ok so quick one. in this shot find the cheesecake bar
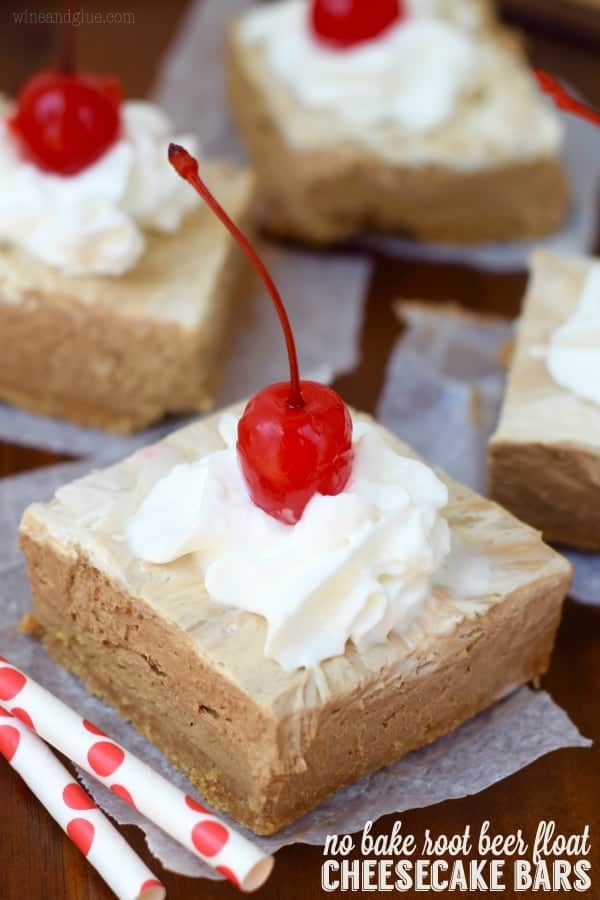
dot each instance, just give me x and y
(121, 352)
(259, 742)
(489, 171)
(544, 458)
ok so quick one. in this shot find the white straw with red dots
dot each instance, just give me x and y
(74, 810)
(181, 817)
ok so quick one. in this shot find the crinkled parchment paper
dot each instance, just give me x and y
(497, 743)
(443, 394)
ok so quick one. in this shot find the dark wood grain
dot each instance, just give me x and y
(577, 19)
(36, 861)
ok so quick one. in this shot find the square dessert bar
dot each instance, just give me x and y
(321, 182)
(263, 744)
(120, 353)
(544, 458)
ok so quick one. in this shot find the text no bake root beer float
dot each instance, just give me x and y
(413, 116)
(284, 598)
(116, 285)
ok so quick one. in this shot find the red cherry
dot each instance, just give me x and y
(288, 454)
(563, 100)
(345, 23)
(66, 121)
(294, 439)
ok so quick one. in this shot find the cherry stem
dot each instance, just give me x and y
(563, 100)
(186, 166)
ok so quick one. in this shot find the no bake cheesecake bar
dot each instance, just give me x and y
(120, 353)
(486, 169)
(265, 744)
(544, 458)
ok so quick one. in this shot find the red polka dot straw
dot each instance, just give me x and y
(123, 793)
(105, 758)
(209, 837)
(82, 833)
(24, 717)
(75, 812)
(193, 804)
(181, 817)
(228, 874)
(151, 885)
(12, 683)
(9, 741)
(93, 729)
(74, 797)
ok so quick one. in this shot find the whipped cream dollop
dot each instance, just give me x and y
(573, 355)
(357, 566)
(434, 87)
(92, 223)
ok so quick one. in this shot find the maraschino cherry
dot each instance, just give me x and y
(65, 119)
(563, 100)
(294, 438)
(346, 23)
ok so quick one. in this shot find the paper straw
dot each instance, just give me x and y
(181, 817)
(76, 813)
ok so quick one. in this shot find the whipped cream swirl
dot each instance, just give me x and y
(573, 355)
(92, 223)
(357, 566)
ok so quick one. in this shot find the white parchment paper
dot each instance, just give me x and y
(198, 48)
(324, 295)
(443, 393)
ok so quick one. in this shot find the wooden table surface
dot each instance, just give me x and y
(36, 861)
